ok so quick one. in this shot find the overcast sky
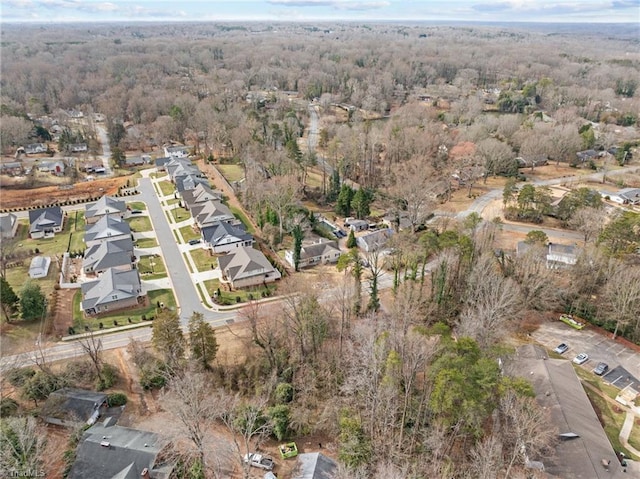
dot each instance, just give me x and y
(320, 10)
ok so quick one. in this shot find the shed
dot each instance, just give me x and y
(39, 267)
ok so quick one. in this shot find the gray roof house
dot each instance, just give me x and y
(39, 267)
(583, 444)
(113, 290)
(105, 206)
(200, 194)
(561, 255)
(107, 451)
(189, 182)
(161, 163)
(45, 222)
(69, 406)
(246, 267)
(177, 151)
(107, 228)
(210, 212)
(107, 254)
(223, 237)
(321, 252)
(174, 163)
(626, 196)
(8, 225)
(315, 465)
(374, 240)
(35, 148)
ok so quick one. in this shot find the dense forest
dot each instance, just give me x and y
(408, 385)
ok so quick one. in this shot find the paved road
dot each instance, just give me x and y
(106, 149)
(314, 136)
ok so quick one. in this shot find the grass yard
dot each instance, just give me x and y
(588, 377)
(146, 243)
(188, 233)
(137, 205)
(241, 216)
(231, 172)
(77, 231)
(231, 297)
(172, 201)
(139, 224)
(180, 214)
(152, 267)
(203, 259)
(121, 317)
(166, 187)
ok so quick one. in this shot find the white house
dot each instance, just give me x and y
(322, 252)
(8, 225)
(39, 267)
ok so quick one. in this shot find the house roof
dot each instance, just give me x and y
(630, 194)
(559, 391)
(217, 232)
(115, 452)
(7, 222)
(45, 218)
(106, 227)
(244, 262)
(104, 206)
(108, 254)
(563, 249)
(70, 404)
(189, 182)
(112, 286)
(211, 211)
(315, 465)
(161, 162)
(39, 266)
(318, 249)
(375, 239)
(201, 193)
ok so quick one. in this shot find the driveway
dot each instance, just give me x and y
(598, 347)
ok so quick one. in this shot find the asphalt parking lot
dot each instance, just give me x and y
(598, 347)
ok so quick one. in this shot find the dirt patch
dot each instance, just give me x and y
(63, 311)
(16, 198)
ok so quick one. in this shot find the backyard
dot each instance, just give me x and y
(231, 172)
(239, 296)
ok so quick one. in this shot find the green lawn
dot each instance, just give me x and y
(172, 201)
(149, 271)
(137, 205)
(245, 295)
(122, 318)
(146, 242)
(231, 172)
(241, 216)
(77, 226)
(139, 224)
(180, 214)
(588, 377)
(186, 260)
(203, 259)
(188, 233)
(166, 187)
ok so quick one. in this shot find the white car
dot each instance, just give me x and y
(259, 461)
(581, 358)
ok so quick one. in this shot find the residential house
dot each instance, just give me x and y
(189, 182)
(107, 228)
(134, 161)
(246, 267)
(56, 167)
(76, 114)
(179, 168)
(11, 168)
(224, 237)
(107, 451)
(375, 240)
(211, 212)
(561, 255)
(70, 407)
(532, 161)
(322, 252)
(161, 163)
(105, 206)
(113, 290)
(583, 445)
(77, 148)
(39, 267)
(315, 465)
(8, 225)
(45, 222)
(626, 196)
(176, 151)
(586, 155)
(35, 148)
(90, 166)
(200, 194)
(117, 254)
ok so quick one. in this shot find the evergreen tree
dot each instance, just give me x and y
(202, 338)
(168, 338)
(343, 203)
(298, 235)
(32, 302)
(334, 186)
(351, 240)
(8, 298)
(361, 202)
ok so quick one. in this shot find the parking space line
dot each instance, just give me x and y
(616, 380)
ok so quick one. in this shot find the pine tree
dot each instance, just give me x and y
(202, 338)
(168, 338)
(298, 235)
(8, 298)
(33, 303)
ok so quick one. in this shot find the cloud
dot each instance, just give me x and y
(554, 7)
(335, 4)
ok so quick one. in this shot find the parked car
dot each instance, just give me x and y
(136, 212)
(601, 369)
(259, 461)
(581, 358)
(561, 348)
(194, 241)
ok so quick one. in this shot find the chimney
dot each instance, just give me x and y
(145, 474)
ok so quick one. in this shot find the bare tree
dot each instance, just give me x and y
(589, 221)
(622, 297)
(22, 448)
(92, 347)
